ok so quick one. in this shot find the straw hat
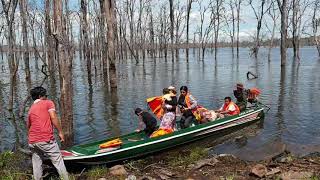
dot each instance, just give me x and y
(240, 85)
(171, 88)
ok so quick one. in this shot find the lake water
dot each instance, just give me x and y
(292, 94)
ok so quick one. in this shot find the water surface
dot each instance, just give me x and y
(292, 94)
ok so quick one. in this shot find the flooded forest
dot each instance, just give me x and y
(101, 59)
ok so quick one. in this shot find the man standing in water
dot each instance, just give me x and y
(41, 119)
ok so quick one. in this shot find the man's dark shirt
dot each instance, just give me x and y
(241, 95)
(148, 120)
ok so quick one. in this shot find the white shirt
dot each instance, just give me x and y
(230, 108)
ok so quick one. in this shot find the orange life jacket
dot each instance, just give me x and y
(253, 93)
(155, 104)
(235, 112)
(194, 111)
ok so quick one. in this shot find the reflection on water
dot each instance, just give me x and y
(100, 112)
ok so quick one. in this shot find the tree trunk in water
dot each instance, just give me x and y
(238, 25)
(49, 39)
(271, 40)
(315, 26)
(23, 11)
(284, 25)
(65, 69)
(86, 50)
(217, 28)
(295, 36)
(9, 10)
(172, 28)
(188, 18)
(103, 39)
(110, 18)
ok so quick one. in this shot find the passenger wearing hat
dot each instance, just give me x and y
(172, 90)
(241, 95)
(147, 119)
(168, 120)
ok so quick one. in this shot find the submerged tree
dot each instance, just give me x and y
(85, 47)
(9, 9)
(63, 50)
(274, 16)
(189, 5)
(284, 26)
(110, 19)
(298, 10)
(23, 12)
(259, 13)
(315, 25)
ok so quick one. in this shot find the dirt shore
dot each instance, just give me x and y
(195, 163)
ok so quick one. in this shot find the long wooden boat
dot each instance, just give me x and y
(136, 144)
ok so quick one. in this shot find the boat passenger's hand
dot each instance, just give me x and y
(138, 130)
(61, 136)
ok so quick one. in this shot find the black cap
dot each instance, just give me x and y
(137, 111)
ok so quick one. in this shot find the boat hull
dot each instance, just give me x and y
(180, 137)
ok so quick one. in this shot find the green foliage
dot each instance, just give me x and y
(315, 178)
(186, 159)
(230, 177)
(97, 172)
(10, 164)
(5, 158)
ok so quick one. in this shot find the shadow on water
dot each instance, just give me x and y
(90, 114)
(111, 115)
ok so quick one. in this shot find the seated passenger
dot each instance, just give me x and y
(169, 108)
(253, 94)
(188, 106)
(207, 115)
(149, 121)
(241, 95)
(229, 108)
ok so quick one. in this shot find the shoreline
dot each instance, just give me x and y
(196, 160)
(194, 163)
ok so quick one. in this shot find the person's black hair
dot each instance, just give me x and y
(185, 88)
(229, 98)
(137, 111)
(165, 91)
(38, 92)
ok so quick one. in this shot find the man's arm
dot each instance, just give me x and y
(193, 102)
(55, 121)
(140, 125)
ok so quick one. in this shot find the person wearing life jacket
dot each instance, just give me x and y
(168, 119)
(169, 110)
(241, 95)
(253, 94)
(188, 106)
(229, 108)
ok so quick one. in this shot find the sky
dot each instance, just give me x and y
(247, 25)
(248, 21)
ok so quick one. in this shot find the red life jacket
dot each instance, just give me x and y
(155, 104)
(235, 112)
